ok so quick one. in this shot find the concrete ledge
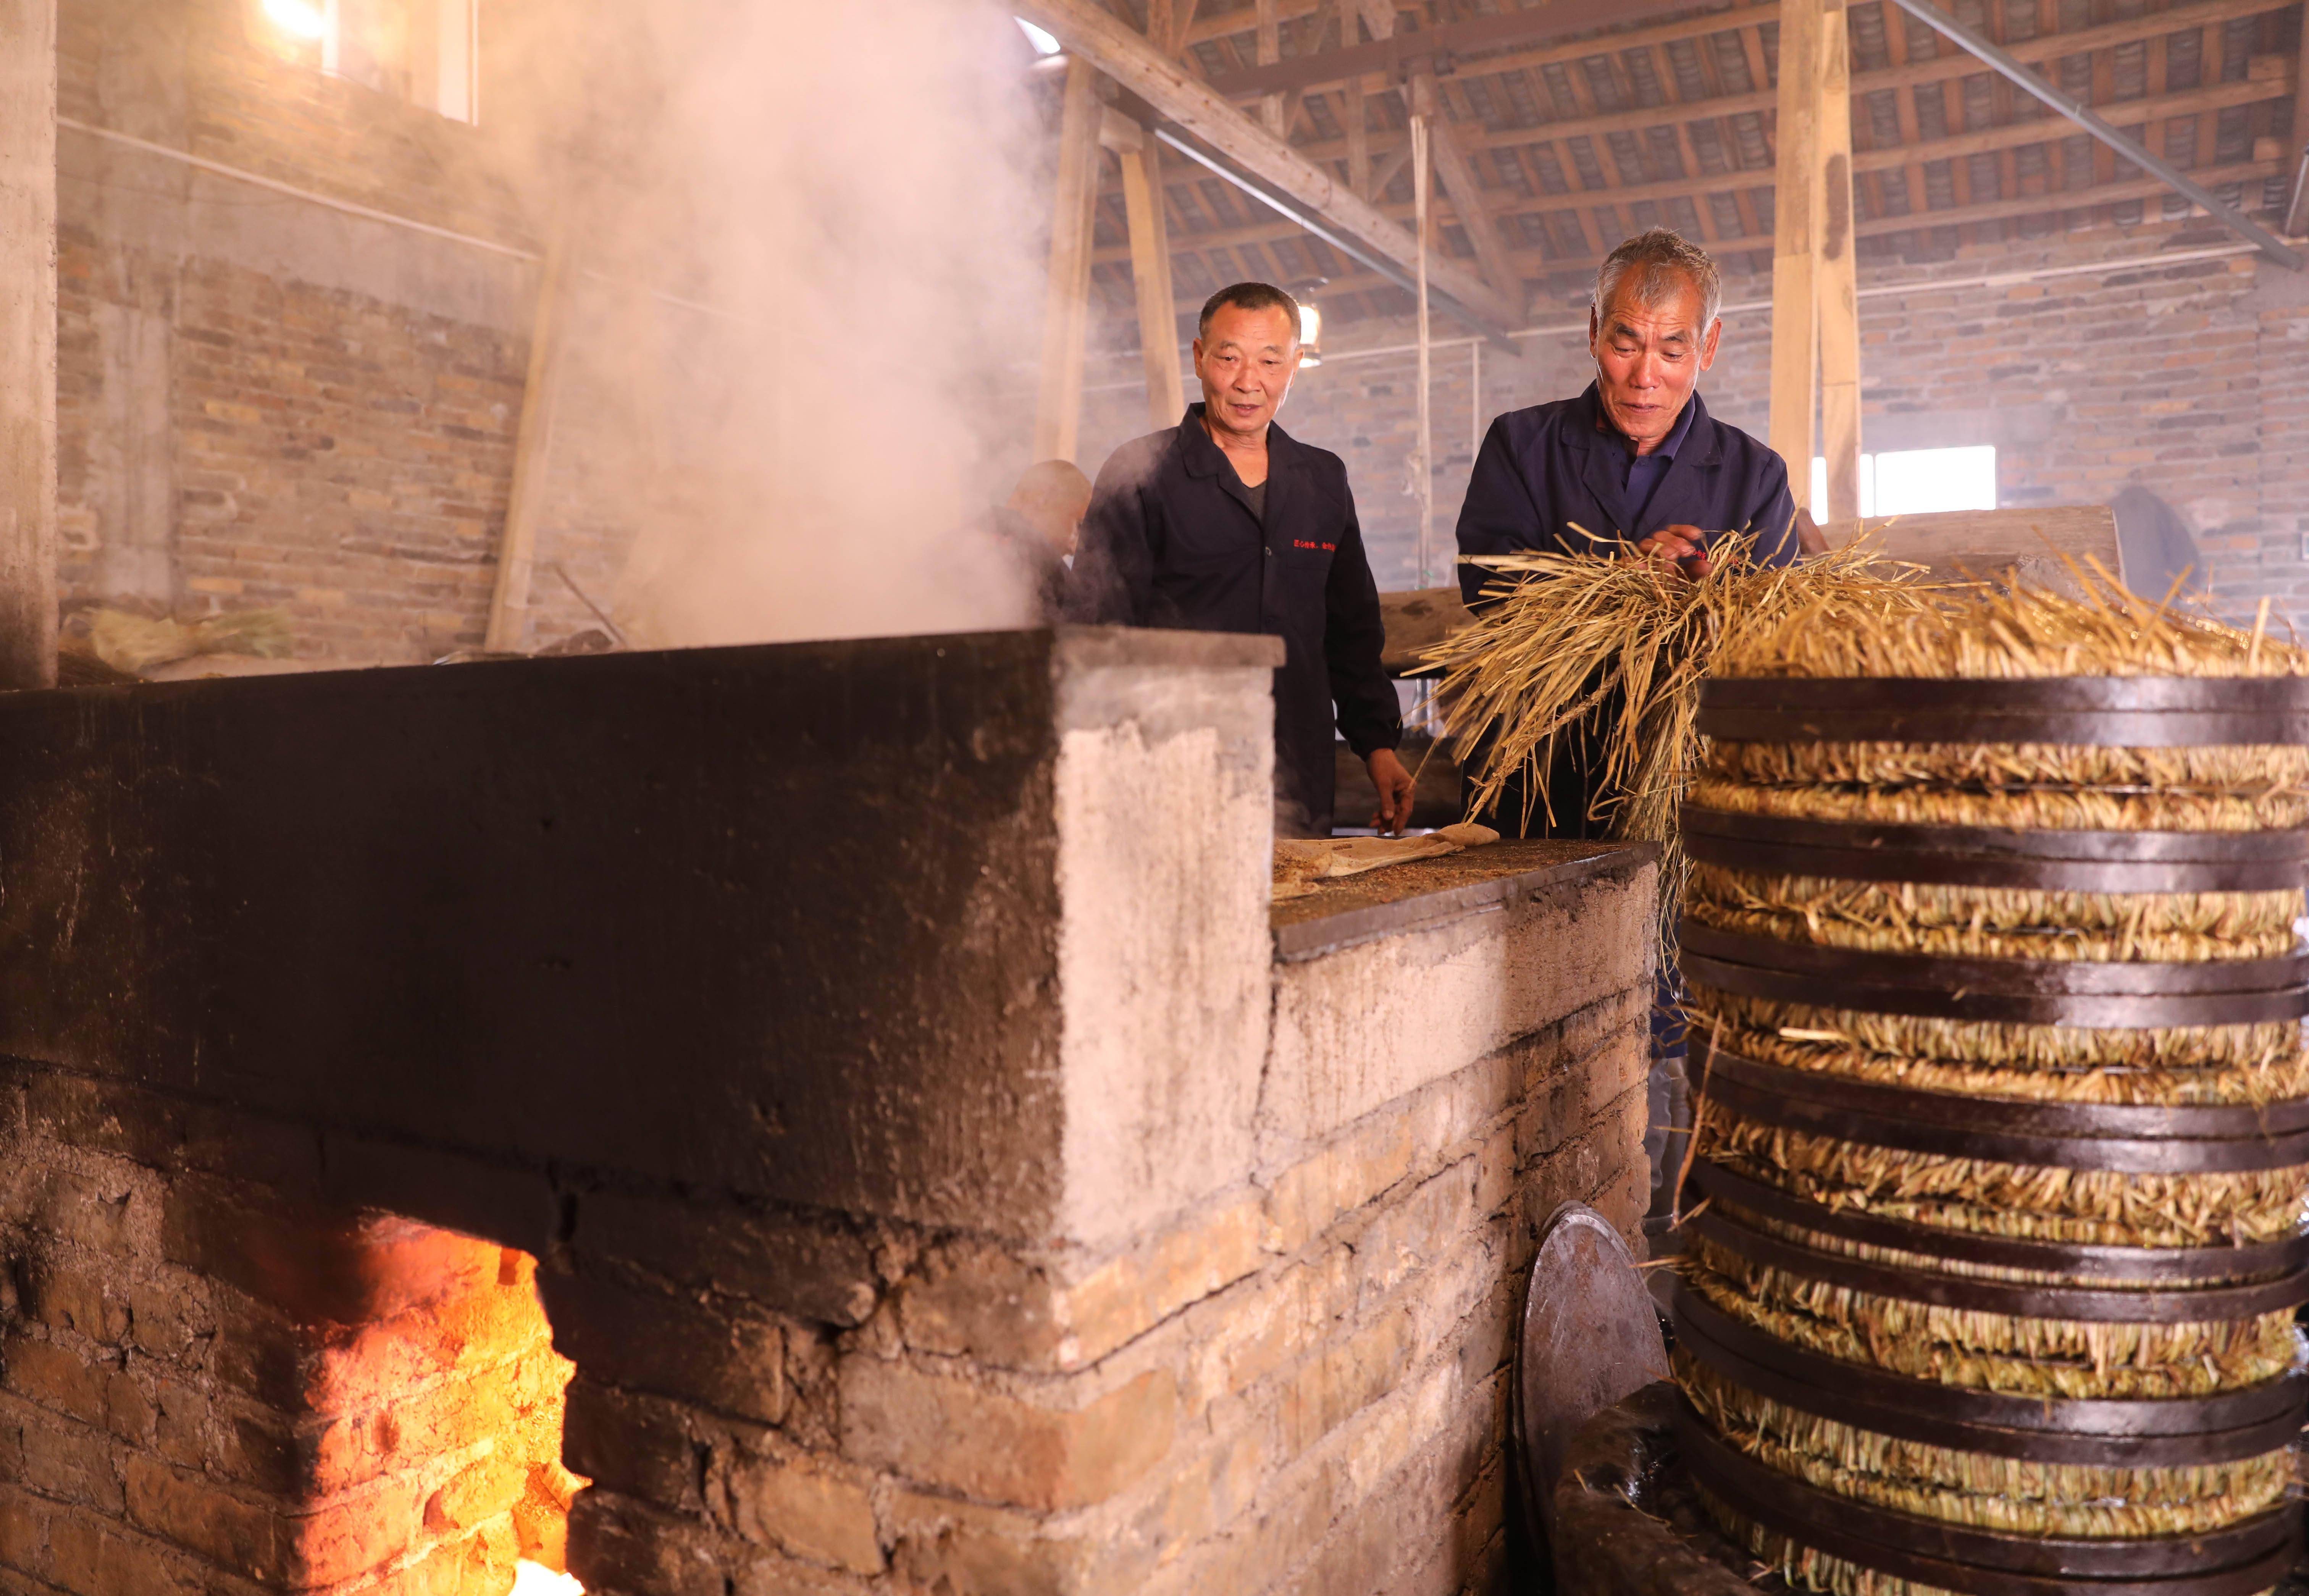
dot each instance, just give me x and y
(1455, 959)
(1413, 896)
(1092, 647)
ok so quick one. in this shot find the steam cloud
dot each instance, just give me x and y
(856, 188)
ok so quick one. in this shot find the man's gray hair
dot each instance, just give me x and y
(1655, 266)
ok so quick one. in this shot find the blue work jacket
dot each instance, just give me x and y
(1170, 540)
(1543, 469)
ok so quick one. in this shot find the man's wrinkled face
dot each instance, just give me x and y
(1647, 357)
(1245, 361)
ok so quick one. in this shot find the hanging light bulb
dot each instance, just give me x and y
(299, 17)
(1311, 334)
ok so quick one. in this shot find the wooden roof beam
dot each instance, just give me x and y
(2013, 136)
(1432, 49)
(2048, 46)
(1101, 38)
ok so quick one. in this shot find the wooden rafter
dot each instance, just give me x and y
(1714, 115)
(2040, 131)
(1096, 36)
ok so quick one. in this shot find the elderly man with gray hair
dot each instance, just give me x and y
(1634, 464)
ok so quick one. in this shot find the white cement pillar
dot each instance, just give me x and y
(28, 343)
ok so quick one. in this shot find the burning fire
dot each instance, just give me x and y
(535, 1579)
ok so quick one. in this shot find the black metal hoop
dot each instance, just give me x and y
(2126, 1138)
(2188, 1305)
(1988, 856)
(2099, 1432)
(2027, 991)
(2243, 1558)
(2091, 1261)
(2091, 711)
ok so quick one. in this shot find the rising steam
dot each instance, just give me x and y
(850, 193)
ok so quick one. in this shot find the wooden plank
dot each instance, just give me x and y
(1096, 34)
(533, 450)
(2037, 545)
(1066, 298)
(1837, 283)
(1459, 182)
(1150, 276)
(1795, 240)
(28, 344)
(1357, 117)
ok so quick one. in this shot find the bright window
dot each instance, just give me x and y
(423, 51)
(1918, 481)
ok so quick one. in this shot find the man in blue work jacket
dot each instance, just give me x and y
(1633, 467)
(1227, 524)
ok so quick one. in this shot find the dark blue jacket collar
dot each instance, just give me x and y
(1590, 428)
(1203, 458)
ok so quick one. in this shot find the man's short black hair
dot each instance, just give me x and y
(1248, 296)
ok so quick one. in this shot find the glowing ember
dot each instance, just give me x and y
(535, 1579)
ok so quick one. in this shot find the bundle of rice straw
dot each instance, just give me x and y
(1616, 649)
(1820, 1289)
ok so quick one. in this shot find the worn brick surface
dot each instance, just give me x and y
(218, 1388)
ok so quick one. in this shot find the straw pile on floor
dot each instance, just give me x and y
(1948, 633)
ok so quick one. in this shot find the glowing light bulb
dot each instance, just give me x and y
(1310, 335)
(1044, 42)
(305, 20)
(535, 1579)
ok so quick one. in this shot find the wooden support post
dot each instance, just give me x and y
(1270, 51)
(1150, 267)
(1795, 243)
(531, 450)
(1065, 304)
(1422, 181)
(2296, 210)
(1834, 278)
(28, 344)
(1458, 175)
(1358, 131)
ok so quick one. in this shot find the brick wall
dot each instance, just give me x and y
(264, 405)
(1300, 1388)
(216, 1379)
(212, 1385)
(2187, 377)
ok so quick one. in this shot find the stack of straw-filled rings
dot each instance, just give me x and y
(1997, 1209)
